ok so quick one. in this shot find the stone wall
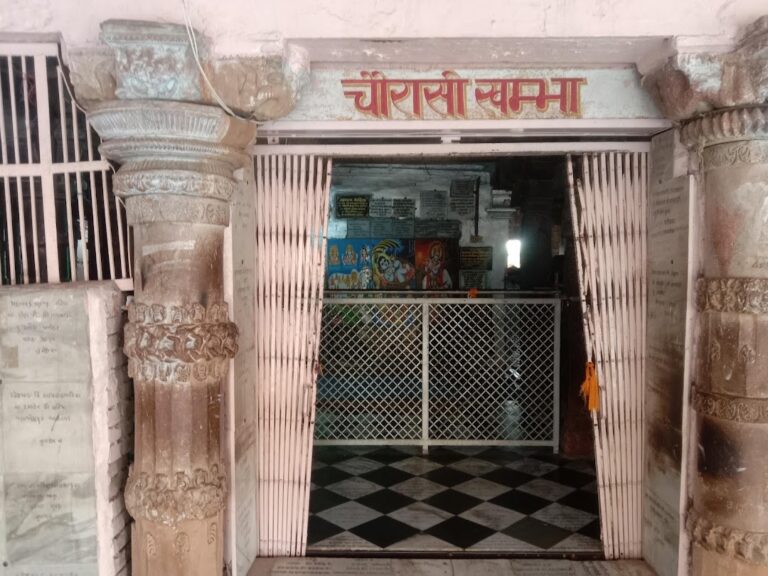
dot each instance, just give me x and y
(66, 431)
(666, 337)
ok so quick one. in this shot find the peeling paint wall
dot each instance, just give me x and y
(239, 26)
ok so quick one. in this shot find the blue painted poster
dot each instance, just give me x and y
(393, 264)
(349, 265)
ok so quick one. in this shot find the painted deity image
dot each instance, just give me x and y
(436, 264)
(353, 270)
(393, 267)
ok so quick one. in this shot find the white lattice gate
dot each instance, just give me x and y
(291, 226)
(608, 204)
(439, 371)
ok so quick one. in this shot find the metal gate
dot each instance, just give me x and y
(59, 218)
(437, 371)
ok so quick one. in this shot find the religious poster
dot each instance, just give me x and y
(476, 258)
(352, 205)
(393, 264)
(349, 264)
(437, 264)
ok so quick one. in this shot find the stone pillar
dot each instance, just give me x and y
(176, 176)
(727, 518)
(178, 154)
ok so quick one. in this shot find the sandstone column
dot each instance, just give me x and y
(178, 152)
(177, 161)
(727, 516)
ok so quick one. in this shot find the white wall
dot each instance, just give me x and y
(242, 26)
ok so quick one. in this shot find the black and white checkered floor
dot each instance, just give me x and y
(457, 500)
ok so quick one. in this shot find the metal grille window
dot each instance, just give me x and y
(59, 221)
(439, 371)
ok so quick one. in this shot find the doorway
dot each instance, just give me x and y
(443, 402)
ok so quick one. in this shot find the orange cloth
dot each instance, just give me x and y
(590, 390)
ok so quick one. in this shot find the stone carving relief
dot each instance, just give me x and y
(176, 182)
(178, 209)
(151, 60)
(181, 545)
(726, 126)
(262, 88)
(172, 499)
(742, 544)
(695, 83)
(150, 546)
(732, 408)
(744, 295)
(154, 61)
(750, 152)
(178, 342)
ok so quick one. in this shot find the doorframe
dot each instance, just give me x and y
(640, 132)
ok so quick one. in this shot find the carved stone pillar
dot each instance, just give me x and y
(176, 176)
(727, 517)
(178, 155)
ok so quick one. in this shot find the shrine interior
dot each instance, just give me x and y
(452, 297)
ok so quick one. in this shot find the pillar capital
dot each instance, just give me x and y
(693, 83)
(142, 60)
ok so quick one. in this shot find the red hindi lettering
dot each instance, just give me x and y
(374, 87)
(496, 94)
(453, 90)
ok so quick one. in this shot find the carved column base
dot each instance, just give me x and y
(191, 547)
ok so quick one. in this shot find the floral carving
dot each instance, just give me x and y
(172, 499)
(173, 182)
(744, 295)
(751, 152)
(140, 313)
(741, 544)
(189, 333)
(181, 342)
(732, 408)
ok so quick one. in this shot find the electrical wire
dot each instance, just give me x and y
(196, 55)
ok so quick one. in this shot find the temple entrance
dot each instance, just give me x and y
(451, 350)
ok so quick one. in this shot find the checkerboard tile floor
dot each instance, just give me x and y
(484, 500)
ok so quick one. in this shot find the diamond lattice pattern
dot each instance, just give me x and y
(491, 371)
(371, 380)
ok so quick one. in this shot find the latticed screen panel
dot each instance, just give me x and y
(492, 371)
(370, 387)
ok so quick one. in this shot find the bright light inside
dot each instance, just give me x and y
(513, 253)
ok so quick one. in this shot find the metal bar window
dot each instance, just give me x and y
(59, 220)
